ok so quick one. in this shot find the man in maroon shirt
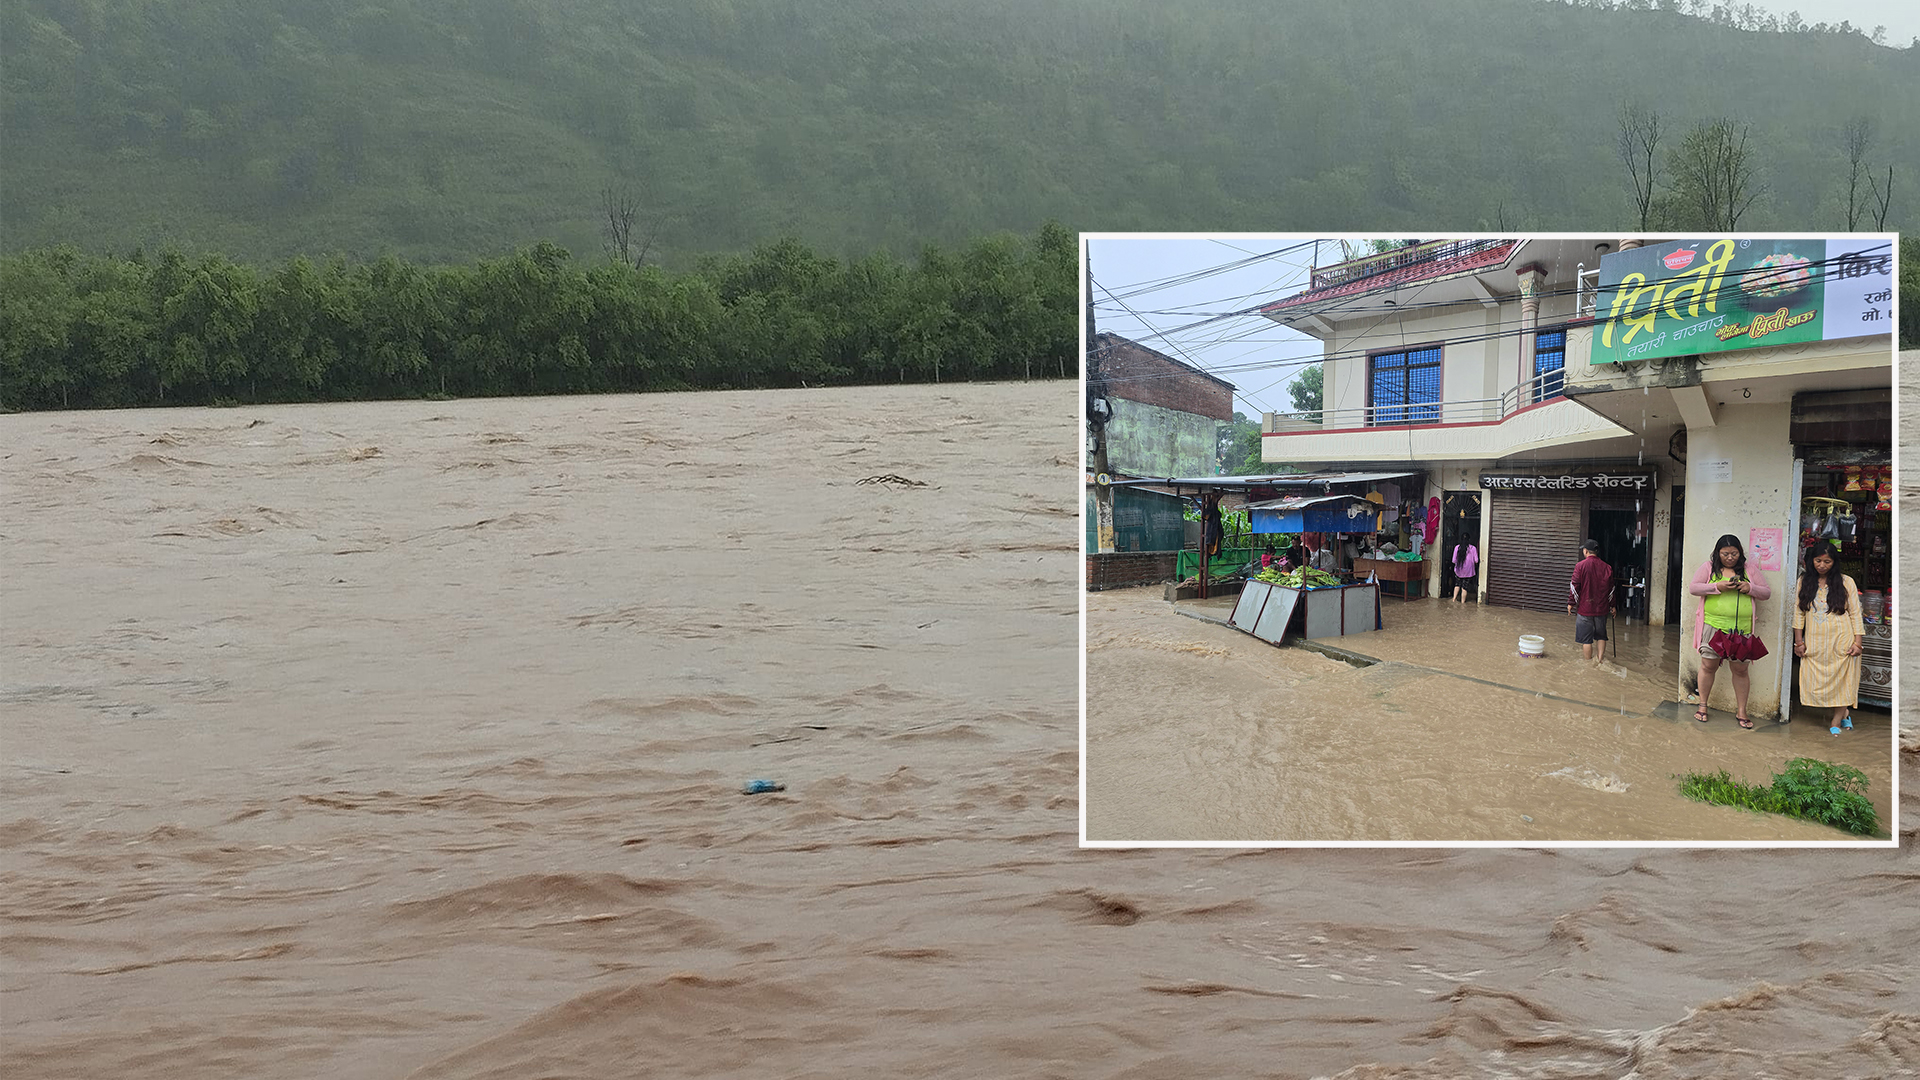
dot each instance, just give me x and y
(1590, 601)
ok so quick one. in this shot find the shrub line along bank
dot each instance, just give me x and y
(85, 331)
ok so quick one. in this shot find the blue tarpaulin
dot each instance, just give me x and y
(1325, 513)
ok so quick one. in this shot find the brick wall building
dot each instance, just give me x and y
(1137, 373)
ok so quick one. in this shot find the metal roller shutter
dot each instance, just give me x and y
(1533, 542)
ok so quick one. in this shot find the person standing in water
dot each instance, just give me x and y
(1466, 563)
(1730, 594)
(1590, 601)
(1827, 634)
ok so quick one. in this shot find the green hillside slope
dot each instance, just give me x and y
(449, 129)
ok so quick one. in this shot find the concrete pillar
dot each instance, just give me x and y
(1486, 534)
(1740, 478)
(1533, 278)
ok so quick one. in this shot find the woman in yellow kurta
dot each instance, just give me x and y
(1827, 632)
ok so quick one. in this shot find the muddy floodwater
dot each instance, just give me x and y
(1196, 731)
(406, 740)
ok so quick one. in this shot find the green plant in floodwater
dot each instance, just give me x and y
(1810, 790)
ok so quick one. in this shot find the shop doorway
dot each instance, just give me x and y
(1459, 524)
(1620, 528)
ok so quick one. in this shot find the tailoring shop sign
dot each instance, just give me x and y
(1613, 481)
(1707, 296)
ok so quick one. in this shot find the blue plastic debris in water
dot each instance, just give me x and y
(761, 787)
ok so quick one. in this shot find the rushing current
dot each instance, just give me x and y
(407, 740)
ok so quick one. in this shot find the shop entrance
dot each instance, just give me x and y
(1459, 524)
(1620, 528)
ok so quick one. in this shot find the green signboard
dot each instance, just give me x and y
(1714, 295)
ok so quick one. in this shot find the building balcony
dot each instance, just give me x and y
(1436, 253)
(1533, 418)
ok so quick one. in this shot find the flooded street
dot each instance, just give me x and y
(393, 740)
(1198, 732)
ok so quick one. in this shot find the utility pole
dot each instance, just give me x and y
(1099, 411)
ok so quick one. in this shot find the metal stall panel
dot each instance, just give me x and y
(1247, 611)
(1324, 613)
(1276, 615)
(1362, 603)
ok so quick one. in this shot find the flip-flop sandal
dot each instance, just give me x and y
(1833, 731)
(1701, 714)
(1847, 721)
(1745, 722)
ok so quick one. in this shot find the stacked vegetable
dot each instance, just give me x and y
(1300, 577)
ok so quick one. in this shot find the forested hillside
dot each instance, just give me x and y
(442, 130)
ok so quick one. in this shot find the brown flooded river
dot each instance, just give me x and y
(405, 740)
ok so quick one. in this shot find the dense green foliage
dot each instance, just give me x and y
(1811, 790)
(446, 130)
(84, 331)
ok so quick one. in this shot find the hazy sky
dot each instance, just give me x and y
(1900, 17)
(1262, 356)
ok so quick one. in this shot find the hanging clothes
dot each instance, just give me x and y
(1433, 520)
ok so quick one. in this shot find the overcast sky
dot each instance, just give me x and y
(1258, 355)
(1900, 17)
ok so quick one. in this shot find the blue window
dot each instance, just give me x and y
(1549, 364)
(1404, 388)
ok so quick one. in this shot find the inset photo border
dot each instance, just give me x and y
(1529, 540)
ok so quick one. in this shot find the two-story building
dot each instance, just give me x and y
(1652, 394)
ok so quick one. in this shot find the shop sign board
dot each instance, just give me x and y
(1622, 481)
(1716, 295)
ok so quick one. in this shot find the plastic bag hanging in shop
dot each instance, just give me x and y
(1845, 524)
(1433, 521)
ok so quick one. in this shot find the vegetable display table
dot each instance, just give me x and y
(1412, 576)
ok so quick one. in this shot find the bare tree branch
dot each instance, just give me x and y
(1858, 136)
(620, 208)
(1882, 199)
(1638, 143)
(1713, 175)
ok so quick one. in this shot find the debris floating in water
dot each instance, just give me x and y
(761, 787)
(890, 478)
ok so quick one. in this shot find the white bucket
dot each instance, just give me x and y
(1532, 646)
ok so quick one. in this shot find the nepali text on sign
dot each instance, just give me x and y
(1568, 482)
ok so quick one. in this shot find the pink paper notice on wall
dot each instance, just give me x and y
(1764, 548)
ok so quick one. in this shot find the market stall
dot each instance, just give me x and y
(1270, 612)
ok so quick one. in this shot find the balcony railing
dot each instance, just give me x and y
(1545, 387)
(1586, 291)
(1368, 266)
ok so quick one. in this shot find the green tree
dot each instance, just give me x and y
(1305, 389)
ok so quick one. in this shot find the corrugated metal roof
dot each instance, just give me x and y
(1238, 483)
(1296, 502)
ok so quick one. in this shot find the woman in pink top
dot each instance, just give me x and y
(1466, 562)
(1724, 575)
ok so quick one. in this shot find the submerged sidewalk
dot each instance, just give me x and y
(1481, 643)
